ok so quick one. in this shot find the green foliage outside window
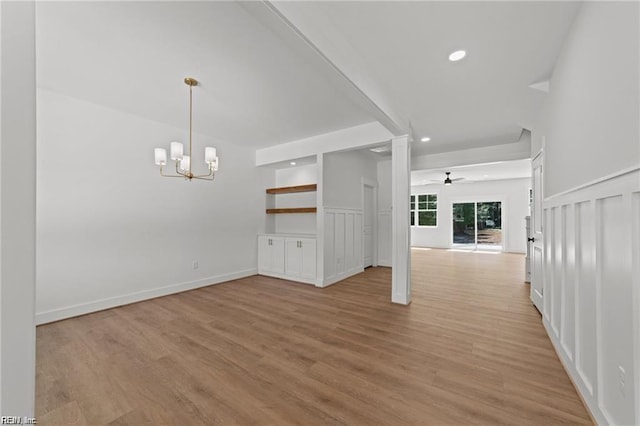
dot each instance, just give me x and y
(424, 210)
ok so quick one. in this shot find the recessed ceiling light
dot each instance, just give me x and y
(457, 55)
(380, 149)
(425, 139)
(293, 163)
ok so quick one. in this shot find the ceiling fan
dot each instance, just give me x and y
(448, 180)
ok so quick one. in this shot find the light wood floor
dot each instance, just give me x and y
(470, 349)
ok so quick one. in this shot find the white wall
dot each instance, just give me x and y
(17, 208)
(110, 230)
(513, 193)
(591, 115)
(592, 209)
(343, 173)
(295, 223)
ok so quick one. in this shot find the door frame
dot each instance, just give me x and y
(374, 185)
(537, 280)
(481, 199)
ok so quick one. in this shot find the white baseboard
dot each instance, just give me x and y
(112, 302)
(384, 262)
(336, 278)
(311, 281)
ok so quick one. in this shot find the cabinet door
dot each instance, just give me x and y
(308, 258)
(264, 254)
(277, 255)
(294, 257)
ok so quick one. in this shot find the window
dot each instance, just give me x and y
(424, 210)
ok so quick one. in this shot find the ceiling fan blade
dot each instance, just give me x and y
(453, 180)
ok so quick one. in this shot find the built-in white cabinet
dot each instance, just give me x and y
(300, 258)
(271, 254)
(289, 257)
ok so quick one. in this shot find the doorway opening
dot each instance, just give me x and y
(477, 225)
(369, 223)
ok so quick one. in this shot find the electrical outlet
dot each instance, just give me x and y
(194, 264)
(622, 375)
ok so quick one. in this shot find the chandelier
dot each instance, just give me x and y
(183, 162)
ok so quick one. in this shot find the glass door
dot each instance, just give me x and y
(477, 226)
(464, 225)
(489, 225)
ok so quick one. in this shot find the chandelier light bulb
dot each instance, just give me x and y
(209, 155)
(176, 151)
(161, 156)
(185, 163)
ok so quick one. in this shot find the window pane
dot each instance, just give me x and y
(422, 206)
(427, 218)
(413, 218)
(432, 198)
(431, 205)
(413, 198)
(413, 206)
(422, 198)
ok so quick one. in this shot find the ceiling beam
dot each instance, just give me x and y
(355, 137)
(342, 64)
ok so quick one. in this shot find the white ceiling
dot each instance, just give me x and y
(474, 173)
(256, 89)
(261, 88)
(479, 101)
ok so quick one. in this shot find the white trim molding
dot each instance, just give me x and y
(139, 296)
(592, 291)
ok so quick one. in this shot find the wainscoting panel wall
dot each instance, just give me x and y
(591, 295)
(384, 238)
(342, 244)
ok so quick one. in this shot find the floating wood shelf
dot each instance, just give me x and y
(291, 189)
(293, 210)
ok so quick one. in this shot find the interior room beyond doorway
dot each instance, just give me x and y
(482, 207)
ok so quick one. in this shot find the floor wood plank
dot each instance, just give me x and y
(470, 349)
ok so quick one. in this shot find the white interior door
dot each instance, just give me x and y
(368, 226)
(537, 279)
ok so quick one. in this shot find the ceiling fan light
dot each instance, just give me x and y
(447, 180)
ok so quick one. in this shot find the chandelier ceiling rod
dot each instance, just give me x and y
(183, 162)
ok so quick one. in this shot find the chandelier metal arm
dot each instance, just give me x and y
(205, 177)
(211, 174)
(179, 175)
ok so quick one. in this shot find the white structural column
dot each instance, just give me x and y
(17, 207)
(401, 256)
(320, 221)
